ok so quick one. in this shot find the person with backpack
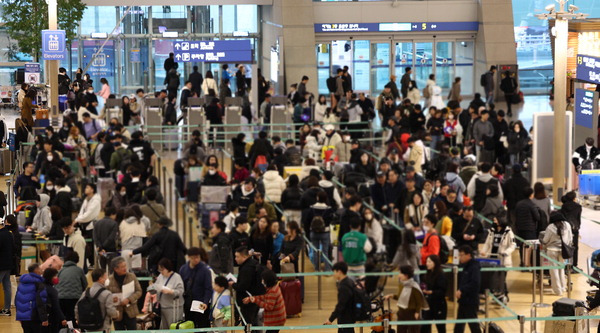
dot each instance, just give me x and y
(355, 246)
(432, 241)
(248, 282)
(509, 87)
(411, 300)
(344, 311)
(72, 282)
(478, 186)
(586, 156)
(556, 239)
(127, 307)
(96, 309)
(122, 157)
(487, 82)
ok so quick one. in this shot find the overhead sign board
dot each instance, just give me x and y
(396, 27)
(32, 72)
(54, 45)
(238, 51)
(588, 68)
(586, 107)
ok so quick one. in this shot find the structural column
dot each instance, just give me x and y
(52, 65)
(560, 105)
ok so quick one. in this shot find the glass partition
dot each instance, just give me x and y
(423, 63)
(444, 66)
(465, 59)
(323, 72)
(360, 75)
(380, 67)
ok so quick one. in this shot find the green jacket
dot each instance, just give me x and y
(252, 211)
(353, 248)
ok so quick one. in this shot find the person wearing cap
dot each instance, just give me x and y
(169, 243)
(332, 138)
(195, 146)
(385, 94)
(244, 195)
(379, 190)
(355, 152)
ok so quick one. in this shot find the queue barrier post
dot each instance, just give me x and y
(386, 325)
(170, 202)
(534, 273)
(487, 309)
(533, 315)
(522, 323)
(248, 328)
(541, 278)
(184, 221)
(318, 269)
(191, 223)
(455, 288)
(164, 183)
(568, 269)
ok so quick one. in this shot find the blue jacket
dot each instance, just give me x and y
(25, 300)
(199, 280)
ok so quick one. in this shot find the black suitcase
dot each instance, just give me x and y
(566, 307)
(494, 281)
(193, 191)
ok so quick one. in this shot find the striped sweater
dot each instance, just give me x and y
(274, 306)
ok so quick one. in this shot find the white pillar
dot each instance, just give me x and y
(560, 105)
(52, 65)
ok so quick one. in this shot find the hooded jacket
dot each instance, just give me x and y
(62, 199)
(221, 256)
(90, 209)
(132, 232)
(42, 221)
(551, 238)
(25, 299)
(77, 243)
(274, 186)
(506, 248)
(71, 281)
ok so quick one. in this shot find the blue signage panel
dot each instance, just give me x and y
(213, 51)
(588, 68)
(54, 45)
(586, 106)
(134, 55)
(396, 27)
(32, 67)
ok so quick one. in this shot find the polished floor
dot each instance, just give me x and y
(519, 283)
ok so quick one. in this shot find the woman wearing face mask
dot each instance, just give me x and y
(452, 130)
(431, 242)
(54, 318)
(212, 159)
(373, 229)
(91, 100)
(518, 139)
(211, 177)
(49, 189)
(118, 199)
(434, 288)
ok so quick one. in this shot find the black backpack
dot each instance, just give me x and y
(127, 158)
(483, 80)
(331, 85)
(444, 249)
(543, 223)
(362, 304)
(480, 193)
(317, 224)
(89, 310)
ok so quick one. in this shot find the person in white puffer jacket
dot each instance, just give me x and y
(274, 184)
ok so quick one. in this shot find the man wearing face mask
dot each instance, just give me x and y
(91, 100)
(98, 289)
(62, 198)
(244, 195)
(47, 158)
(212, 177)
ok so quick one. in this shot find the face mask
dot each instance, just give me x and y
(55, 280)
(450, 117)
(212, 172)
(123, 193)
(368, 217)
(106, 283)
(50, 188)
(425, 229)
(90, 92)
(346, 137)
(50, 158)
(233, 187)
(135, 179)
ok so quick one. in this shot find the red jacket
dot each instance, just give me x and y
(274, 306)
(431, 245)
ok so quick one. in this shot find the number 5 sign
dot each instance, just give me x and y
(54, 45)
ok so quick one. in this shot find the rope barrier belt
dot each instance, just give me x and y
(203, 183)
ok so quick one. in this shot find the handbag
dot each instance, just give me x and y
(567, 251)
(156, 310)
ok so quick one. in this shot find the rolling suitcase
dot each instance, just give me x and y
(5, 161)
(494, 281)
(182, 325)
(391, 239)
(292, 296)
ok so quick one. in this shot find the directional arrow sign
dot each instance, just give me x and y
(177, 46)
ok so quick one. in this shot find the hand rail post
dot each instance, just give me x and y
(455, 288)
(318, 269)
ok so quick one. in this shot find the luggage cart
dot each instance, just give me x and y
(589, 188)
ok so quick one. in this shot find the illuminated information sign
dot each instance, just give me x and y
(396, 27)
(588, 68)
(213, 51)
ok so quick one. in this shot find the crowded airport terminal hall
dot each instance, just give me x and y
(299, 166)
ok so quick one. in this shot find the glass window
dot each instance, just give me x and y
(380, 67)
(423, 63)
(403, 58)
(464, 65)
(167, 12)
(444, 66)
(98, 19)
(103, 65)
(360, 75)
(322, 67)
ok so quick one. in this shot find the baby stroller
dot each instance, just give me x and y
(377, 304)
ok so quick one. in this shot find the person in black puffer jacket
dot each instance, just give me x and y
(291, 199)
(261, 146)
(165, 243)
(571, 210)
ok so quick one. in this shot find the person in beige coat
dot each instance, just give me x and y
(414, 155)
(127, 307)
